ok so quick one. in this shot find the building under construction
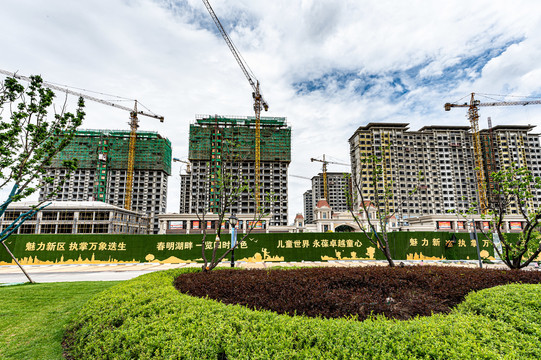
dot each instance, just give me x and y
(102, 171)
(338, 187)
(226, 145)
(438, 161)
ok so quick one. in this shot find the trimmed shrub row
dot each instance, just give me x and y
(147, 318)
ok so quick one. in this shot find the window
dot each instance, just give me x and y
(27, 229)
(65, 228)
(48, 228)
(102, 215)
(49, 215)
(65, 216)
(84, 228)
(11, 215)
(101, 228)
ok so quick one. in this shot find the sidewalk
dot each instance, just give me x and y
(12, 269)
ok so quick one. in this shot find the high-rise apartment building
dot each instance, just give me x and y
(338, 186)
(227, 144)
(308, 202)
(438, 161)
(102, 171)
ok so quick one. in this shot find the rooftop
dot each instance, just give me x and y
(68, 205)
(233, 120)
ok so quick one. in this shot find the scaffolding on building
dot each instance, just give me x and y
(152, 151)
(238, 135)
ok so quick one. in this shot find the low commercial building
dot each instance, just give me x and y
(77, 217)
(191, 224)
(328, 220)
(454, 223)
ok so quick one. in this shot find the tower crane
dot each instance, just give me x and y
(134, 124)
(473, 116)
(259, 102)
(188, 164)
(324, 171)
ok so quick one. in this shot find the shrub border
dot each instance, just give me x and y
(147, 318)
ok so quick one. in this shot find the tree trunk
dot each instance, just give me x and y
(20, 266)
(388, 256)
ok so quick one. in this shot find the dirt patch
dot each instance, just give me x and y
(399, 293)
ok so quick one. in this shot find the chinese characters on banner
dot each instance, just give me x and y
(323, 243)
(74, 246)
(174, 245)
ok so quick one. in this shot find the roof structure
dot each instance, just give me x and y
(322, 203)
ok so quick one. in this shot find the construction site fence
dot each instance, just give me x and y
(274, 247)
(152, 151)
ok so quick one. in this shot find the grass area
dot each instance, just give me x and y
(33, 316)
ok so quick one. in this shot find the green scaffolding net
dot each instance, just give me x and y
(238, 134)
(152, 151)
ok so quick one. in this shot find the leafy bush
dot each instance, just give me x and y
(515, 304)
(147, 318)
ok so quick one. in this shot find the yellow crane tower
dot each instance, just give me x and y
(324, 172)
(134, 124)
(259, 102)
(473, 116)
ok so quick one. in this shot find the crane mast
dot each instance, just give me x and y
(473, 116)
(324, 173)
(134, 124)
(259, 101)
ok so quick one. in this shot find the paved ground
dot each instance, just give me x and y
(109, 272)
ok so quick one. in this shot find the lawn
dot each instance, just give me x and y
(33, 317)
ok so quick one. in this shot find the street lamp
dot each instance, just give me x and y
(473, 236)
(233, 222)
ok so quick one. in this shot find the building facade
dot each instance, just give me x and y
(438, 162)
(308, 202)
(225, 146)
(192, 224)
(76, 217)
(102, 171)
(338, 187)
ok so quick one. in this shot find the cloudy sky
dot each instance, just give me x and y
(328, 66)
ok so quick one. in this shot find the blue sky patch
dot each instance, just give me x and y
(394, 84)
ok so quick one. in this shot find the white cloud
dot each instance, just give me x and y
(415, 56)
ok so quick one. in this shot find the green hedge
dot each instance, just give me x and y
(146, 318)
(115, 248)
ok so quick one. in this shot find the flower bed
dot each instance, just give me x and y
(399, 293)
(147, 318)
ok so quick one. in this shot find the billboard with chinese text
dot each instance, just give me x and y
(115, 248)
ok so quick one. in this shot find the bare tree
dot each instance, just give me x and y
(226, 188)
(376, 229)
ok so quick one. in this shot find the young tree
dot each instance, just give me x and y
(375, 229)
(514, 189)
(29, 139)
(226, 187)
